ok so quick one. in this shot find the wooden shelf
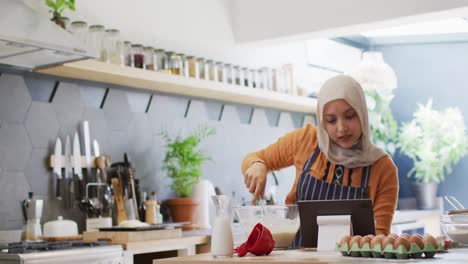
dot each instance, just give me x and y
(166, 83)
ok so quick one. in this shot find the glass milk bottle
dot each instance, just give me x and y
(222, 243)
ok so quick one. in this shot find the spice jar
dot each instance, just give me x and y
(236, 75)
(149, 58)
(80, 30)
(192, 66)
(259, 79)
(175, 62)
(127, 53)
(208, 65)
(220, 71)
(161, 61)
(251, 79)
(228, 73)
(113, 47)
(94, 40)
(183, 65)
(244, 76)
(138, 56)
(201, 68)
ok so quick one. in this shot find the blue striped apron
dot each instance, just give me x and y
(311, 188)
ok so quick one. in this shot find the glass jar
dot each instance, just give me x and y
(66, 23)
(183, 65)
(259, 80)
(138, 56)
(244, 76)
(113, 47)
(208, 66)
(80, 30)
(95, 40)
(127, 53)
(228, 73)
(192, 66)
(220, 74)
(176, 63)
(161, 61)
(149, 58)
(201, 68)
(236, 75)
(251, 79)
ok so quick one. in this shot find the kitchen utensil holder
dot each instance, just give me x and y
(83, 162)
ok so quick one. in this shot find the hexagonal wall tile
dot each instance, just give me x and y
(166, 108)
(117, 110)
(92, 96)
(138, 101)
(15, 145)
(98, 129)
(68, 105)
(41, 124)
(15, 188)
(119, 146)
(140, 136)
(14, 98)
(40, 89)
(37, 173)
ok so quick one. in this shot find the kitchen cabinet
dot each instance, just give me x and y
(97, 71)
(302, 256)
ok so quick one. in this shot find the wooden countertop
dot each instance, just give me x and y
(302, 256)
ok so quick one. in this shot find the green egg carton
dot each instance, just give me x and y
(388, 252)
(401, 252)
(366, 250)
(377, 251)
(429, 250)
(440, 247)
(343, 249)
(415, 252)
(355, 251)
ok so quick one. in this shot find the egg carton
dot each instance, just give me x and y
(389, 252)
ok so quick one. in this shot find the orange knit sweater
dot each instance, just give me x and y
(295, 149)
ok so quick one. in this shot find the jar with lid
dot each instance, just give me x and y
(127, 53)
(193, 67)
(201, 68)
(228, 73)
(208, 65)
(113, 47)
(80, 30)
(244, 76)
(220, 73)
(259, 79)
(251, 79)
(161, 61)
(95, 39)
(176, 63)
(138, 56)
(236, 78)
(149, 58)
(183, 65)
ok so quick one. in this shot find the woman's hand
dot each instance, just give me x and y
(255, 180)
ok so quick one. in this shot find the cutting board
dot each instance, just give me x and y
(145, 228)
(122, 237)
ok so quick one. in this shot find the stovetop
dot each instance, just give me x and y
(28, 247)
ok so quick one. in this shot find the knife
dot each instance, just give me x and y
(97, 153)
(77, 165)
(58, 168)
(87, 145)
(68, 172)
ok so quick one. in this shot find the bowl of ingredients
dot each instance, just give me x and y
(455, 230)
(282, 221)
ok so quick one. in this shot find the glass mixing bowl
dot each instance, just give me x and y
(282, 221)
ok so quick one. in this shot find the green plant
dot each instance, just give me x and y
(382, 124)
(434, 140)
(57, 8)
(183, 160)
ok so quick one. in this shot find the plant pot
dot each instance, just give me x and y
(426, 195)
(58, 19)
(183, 210)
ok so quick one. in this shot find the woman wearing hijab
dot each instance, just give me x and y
(336, 160)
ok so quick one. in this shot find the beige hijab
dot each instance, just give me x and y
(363, 153)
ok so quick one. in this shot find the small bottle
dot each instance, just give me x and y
(94, 40)
(201, 68)
(127, 53)
(142, 209)
(149, 58)
(138, 56)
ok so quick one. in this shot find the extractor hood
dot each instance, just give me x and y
(29, 40)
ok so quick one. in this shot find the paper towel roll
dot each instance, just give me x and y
(202, 191)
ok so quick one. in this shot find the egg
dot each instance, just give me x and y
(429, 239)
(418, 235)
(376, 241)
(405, 235)
(394, 235)
(345, 240)
(416, 239)
(354, 239)
(388, 240)
(401, 241)
(363, 240)
(446, 243)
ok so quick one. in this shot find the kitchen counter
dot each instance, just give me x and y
(302, 256)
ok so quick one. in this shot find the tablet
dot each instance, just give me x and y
(361, 211)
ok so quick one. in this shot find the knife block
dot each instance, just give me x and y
(83, 162)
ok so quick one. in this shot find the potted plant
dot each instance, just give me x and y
(435, 141)
(57, 7)
(182, 162)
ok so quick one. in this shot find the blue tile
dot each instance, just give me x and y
(41, 124)
(92, 96)
(15, 188)
(15, 145)
(40, 89)
(68, 105)
(37, 172)
(117, 110)
(138, 101)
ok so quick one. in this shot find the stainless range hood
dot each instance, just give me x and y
(29, 40)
